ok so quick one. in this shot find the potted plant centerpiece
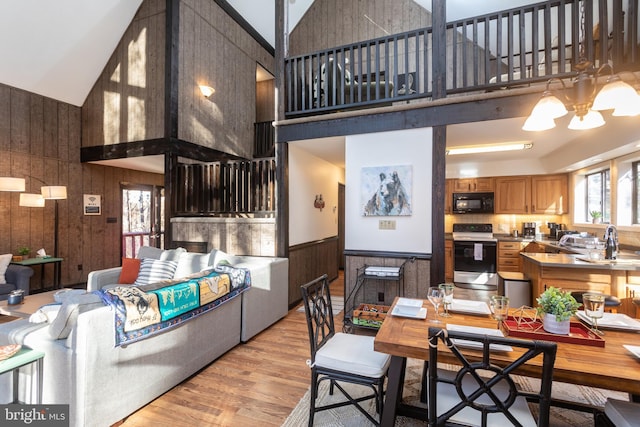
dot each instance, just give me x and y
(596, 217)
(23, 253)
(556, 308)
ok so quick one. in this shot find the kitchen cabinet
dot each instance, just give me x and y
(509, 256)
(538, 194)
(448, 260)
(512, 195)
(448, 196)
(466, 185)
(549, 194)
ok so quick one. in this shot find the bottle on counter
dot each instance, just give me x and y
(610, 248)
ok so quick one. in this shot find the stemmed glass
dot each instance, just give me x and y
(594, 308)
(447, 288)
(499, 308)
(435, 296)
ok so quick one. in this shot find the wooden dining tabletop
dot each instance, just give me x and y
(610, 367)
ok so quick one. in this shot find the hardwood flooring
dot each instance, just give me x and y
(257, 383)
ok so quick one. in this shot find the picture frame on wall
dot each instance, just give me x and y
(92, 204)
(386, 190)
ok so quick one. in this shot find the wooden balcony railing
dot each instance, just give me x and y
(225, 189)
(514, 47)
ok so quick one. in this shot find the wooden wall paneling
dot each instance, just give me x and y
(308, 261)
(62, 145)
(50, 131)
(20, 121)
(36, 125)
(5, 124)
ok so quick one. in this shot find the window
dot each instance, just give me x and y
(599, 194)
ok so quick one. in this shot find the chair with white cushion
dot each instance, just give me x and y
(482, 392)
(621, 413)
(338, 357)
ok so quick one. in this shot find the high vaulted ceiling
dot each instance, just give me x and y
(58, 49)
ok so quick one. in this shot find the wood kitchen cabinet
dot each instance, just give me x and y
(448, 260)
(448, 196)
(512, 195)
(550, 194)
(509, 256)
(466, 185)
(538, 194)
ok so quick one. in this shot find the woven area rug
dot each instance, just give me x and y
(337, 305)
(348, 416)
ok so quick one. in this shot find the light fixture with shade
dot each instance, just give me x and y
(31, 200)
(54, 192)
(489, 148)
(585, 100)
(207, 91)
(12, 184)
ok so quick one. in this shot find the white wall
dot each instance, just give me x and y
(310, 176)
(408, 147)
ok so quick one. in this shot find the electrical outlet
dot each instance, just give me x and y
(386, 224)
(380, 296)
(79, 267)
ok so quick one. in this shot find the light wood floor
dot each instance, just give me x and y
(257, 383)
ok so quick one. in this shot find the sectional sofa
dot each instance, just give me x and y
(103, 382)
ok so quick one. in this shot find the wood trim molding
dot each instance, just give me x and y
(224, 5)
(382, 254)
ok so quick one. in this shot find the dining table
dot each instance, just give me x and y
(611, 366)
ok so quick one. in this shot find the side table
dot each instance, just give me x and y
(13, 364)
(30, 262)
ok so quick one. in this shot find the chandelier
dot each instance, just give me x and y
(586, 100)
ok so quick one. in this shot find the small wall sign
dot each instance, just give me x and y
(92, 204)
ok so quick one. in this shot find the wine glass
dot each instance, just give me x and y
(447, 288)
(435, 296)
(594, 308)
(499, 306)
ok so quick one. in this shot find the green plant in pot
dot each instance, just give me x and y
(556, 307)
(596, 217)
(24, 251)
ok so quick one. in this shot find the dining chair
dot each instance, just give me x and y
(339, 357)
(482, 391)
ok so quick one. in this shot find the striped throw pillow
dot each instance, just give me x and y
(155, 270)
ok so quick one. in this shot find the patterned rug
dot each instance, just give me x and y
(348, 416)
(337, 305)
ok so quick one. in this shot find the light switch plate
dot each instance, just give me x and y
(387, 224)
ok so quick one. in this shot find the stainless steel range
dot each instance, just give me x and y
(475, 254)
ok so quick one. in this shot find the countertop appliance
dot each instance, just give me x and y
(561, 233)
(464, 203)
(529, 230)
(553, 229)
(475, 253)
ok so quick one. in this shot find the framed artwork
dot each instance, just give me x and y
(92, 204)
(386, 190)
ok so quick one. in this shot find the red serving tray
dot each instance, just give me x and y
(578, 333)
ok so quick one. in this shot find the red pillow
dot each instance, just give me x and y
(130, 269)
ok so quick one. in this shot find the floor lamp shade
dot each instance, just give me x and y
(11, 184)
(31, 200)
(54, 192)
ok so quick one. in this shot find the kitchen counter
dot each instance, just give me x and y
(581, 261)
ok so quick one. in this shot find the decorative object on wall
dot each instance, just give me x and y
(386, 190)
(207, 91)
(92, 205)
(319, 202)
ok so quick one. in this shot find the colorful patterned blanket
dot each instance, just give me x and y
(142, 311)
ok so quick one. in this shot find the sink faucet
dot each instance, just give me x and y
(611, 242)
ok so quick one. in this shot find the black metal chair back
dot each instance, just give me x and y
(317, 306)
(488, 375)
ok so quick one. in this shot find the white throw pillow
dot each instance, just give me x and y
(155, 270)
(67, 316)
(191, 262)
(4, 263)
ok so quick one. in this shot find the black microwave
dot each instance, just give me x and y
(464, 203)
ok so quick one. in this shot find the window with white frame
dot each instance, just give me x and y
(598, 194)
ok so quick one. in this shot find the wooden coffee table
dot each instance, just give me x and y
(30, 305)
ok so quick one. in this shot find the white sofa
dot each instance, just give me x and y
(103, 383)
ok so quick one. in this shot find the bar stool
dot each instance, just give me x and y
(611, 303)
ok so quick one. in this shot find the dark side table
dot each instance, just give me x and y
(30, 262)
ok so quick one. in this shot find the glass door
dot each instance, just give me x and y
(142, 219)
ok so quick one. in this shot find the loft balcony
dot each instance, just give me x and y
(517, 47)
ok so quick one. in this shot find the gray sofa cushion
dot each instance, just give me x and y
(162, 254)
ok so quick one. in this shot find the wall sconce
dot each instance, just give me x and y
(207, 91)
(31, 200)
(319, 202)
(12, 184)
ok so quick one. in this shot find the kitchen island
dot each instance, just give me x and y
(573, 272)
